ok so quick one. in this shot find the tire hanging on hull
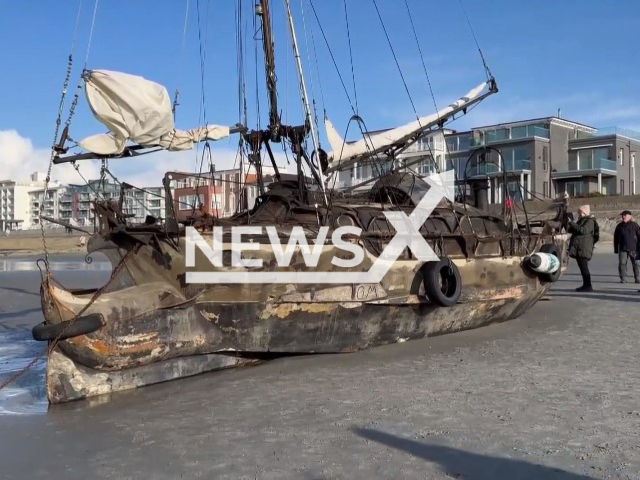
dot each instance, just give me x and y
(442, 282)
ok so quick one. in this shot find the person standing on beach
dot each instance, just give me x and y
(625, 243)
(581, 244)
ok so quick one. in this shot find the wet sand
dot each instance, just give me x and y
(29, 242)
(554, 394)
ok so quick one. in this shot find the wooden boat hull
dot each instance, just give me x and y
(153, 332)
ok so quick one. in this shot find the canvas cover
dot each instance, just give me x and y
(343, 151)
(138, 110)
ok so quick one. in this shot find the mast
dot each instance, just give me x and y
(262, 10)
(305, 99)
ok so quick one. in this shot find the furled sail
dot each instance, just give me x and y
(139, 110)
(377, 142)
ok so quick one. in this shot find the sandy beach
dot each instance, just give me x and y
(29, 242)
(553, 394)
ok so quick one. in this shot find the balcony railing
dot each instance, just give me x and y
(458, 143)
(509, 166)
(592, 164)
(625, 132)
(514, 133)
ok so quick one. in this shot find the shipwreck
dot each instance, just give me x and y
(152, 322)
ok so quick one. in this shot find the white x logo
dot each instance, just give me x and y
(408, 227)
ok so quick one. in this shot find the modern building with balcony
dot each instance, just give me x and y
(526, 152)
(75, 202)
(15, 203)
(603, 163)
(49, 202)
(420, 158)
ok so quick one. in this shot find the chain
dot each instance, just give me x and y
(74, 102)
(65, 86)
(54, 343)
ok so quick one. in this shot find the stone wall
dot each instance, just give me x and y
(605, 209)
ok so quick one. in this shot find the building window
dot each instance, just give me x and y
(545, 159)
(188, 202)
(574, 188)
(545, 189)
(519, 132)
(361, 172)
(621, 156)
(621, 187)
(585, 160)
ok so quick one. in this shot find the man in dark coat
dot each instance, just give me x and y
(625, 244)
(581, 245)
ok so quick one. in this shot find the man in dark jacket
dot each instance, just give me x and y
(581, 245)
(625, 244)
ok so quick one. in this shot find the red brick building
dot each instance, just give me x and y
(217, 194)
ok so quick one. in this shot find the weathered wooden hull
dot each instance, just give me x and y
(157, 330)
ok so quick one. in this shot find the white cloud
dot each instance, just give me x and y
(19, 159)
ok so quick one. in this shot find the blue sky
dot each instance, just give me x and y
(577, 55)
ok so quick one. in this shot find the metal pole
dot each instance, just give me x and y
(305, 100)
(262, 10)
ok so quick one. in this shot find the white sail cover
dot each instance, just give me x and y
(134, 108)
(343, 151)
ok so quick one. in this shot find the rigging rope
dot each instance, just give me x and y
(424, 67)
(356, 117)
(255, 55)
(242, 99)
(93, 23)
(315, 55)
(484, 63)
(333, 59)
(406, 87)
(202, 115)
(180, 61)
(353, 75)
(313, 94)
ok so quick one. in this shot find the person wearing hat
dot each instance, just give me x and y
(581, 244)
(625, 243)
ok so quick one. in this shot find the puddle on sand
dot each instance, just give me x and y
(26, 395)
(17, 265)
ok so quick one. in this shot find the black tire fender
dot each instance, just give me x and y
(551, 249)
(71, 328)
(442, 282)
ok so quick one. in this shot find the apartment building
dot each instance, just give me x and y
(76, 202)
(528, 151)
(420, 158)
(15, 203)
(217, 193)
(604, 163)
(49, 202)
(142, 202)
